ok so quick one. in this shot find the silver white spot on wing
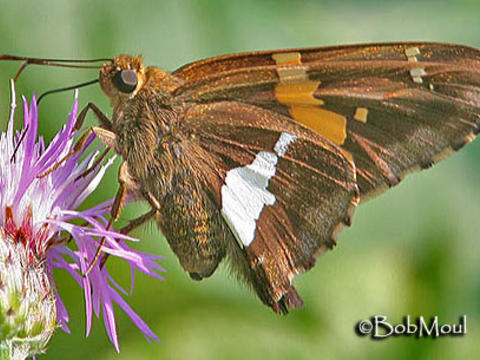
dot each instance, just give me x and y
(411, 53)
(245, 191)
(417, 74)
(283, 143)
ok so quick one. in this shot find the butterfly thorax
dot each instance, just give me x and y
(150, 137)
(145, 120)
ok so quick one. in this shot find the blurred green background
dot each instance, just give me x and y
(414, 250)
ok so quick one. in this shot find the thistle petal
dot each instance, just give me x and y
(36, 214)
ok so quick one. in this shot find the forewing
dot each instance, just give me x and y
(394, 107)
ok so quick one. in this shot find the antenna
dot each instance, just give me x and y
(53, 62)
(72, 87)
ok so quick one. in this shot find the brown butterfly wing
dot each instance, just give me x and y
(304, 183)
(361, 115)
(394, 107)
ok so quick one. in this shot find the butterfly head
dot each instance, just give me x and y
(123, 78)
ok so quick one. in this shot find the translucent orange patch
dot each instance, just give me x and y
(325, 122)
(411, 53)
(298, 93)
(289, 74)
(288, 58)
(361, 114)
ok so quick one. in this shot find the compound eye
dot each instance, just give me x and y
(125, 80)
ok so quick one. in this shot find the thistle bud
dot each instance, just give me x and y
(27, 301)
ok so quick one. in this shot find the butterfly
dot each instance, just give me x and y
(260, 158)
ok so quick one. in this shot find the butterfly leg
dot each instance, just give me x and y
(125, 184)
(102, 118)
(97, 162)
(123, 179)
(103, 132)
(133, 224)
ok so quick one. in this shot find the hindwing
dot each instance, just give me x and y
(283, 191)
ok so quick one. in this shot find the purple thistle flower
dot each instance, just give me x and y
(35, 224)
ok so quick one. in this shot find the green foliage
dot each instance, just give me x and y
(414, 250)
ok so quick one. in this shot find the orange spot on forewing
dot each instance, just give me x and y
(292, 74)
(325, 122)
(361, 114)
(298, 93)
(288, 58)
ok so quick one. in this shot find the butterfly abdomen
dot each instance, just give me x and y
(191, 223)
